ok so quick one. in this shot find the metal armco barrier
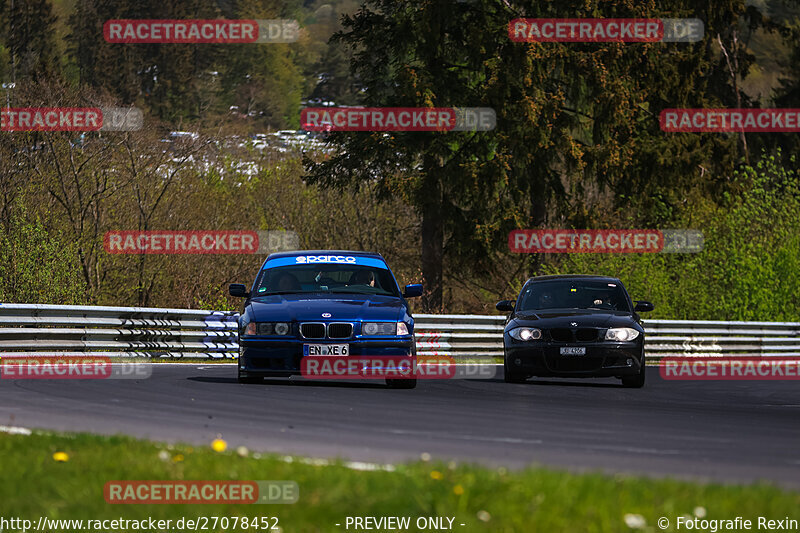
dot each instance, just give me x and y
(457, 335)
(195, 334)
(117, 331)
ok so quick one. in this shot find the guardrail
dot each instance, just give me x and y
(458, 335)
(196, 334)
(117, 331)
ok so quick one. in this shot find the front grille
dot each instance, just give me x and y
(561, 335)
(340, 330)
(573, 335)
(586, 334)
(312, 330)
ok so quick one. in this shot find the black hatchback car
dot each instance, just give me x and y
(574, 326)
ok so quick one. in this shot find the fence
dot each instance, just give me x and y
(196, 334)
(117, 331)
(483, 335)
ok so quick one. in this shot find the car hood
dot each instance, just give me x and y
(309, 307)
(563, 318)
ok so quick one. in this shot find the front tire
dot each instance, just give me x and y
(244, 378)
(401, 383)
(636, 381)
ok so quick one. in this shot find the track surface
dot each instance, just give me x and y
(721, 431)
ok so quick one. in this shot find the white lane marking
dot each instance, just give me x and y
(507, 440)
(631, 449)
(15, 430)
(352, 465)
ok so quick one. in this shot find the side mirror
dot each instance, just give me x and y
(238, 290)
(412, 291)
(505, 305)
(643, 306)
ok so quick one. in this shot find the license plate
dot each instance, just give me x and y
(570, 350)
(326, 349)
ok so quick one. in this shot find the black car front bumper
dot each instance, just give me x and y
(602, 359)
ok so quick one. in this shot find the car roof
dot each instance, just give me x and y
(324, 252)
(572, 276)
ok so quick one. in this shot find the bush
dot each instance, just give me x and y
(749, 269)
(38, 267)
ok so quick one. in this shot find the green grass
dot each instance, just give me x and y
(483, 499)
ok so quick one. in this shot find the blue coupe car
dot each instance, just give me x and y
(312, 304)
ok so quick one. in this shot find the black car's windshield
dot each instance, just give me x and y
(326, 278)
(574, 294)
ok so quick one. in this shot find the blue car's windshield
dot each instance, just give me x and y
(574, 294)
(337, 278)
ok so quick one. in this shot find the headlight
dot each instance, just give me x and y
(621, 334)
(267, 328)
(379, 328)
(526, 334)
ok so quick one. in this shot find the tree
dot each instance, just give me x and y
(27, 28)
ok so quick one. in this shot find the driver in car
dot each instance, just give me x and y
(364, 277)
(288, 282)
(545, 300)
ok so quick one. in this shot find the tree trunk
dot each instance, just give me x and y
(432, 252)
(538, 217)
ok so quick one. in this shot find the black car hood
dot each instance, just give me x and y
(309, 307)
(561, 318)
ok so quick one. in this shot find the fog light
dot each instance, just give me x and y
(517, 362)
(629, 362)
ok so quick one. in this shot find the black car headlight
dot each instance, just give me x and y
(372, 329)
(621, 334)
(526, 334)
(267, 328)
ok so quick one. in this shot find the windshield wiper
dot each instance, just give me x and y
(278, 292)
(357, 291)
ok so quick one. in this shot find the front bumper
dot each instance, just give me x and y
(602, 359)
(283, 357)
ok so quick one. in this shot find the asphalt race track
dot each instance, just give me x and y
(734, 431)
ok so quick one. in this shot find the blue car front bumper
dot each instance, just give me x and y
(283, 357)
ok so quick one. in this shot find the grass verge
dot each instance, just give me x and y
(483, 499)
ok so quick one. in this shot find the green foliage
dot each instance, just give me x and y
(748, 270)
(27, 30)
(38, 267)
(484, 499)
(753, 255)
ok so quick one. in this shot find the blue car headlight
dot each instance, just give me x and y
(525, 334)
(373, 329)
(267, 328)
